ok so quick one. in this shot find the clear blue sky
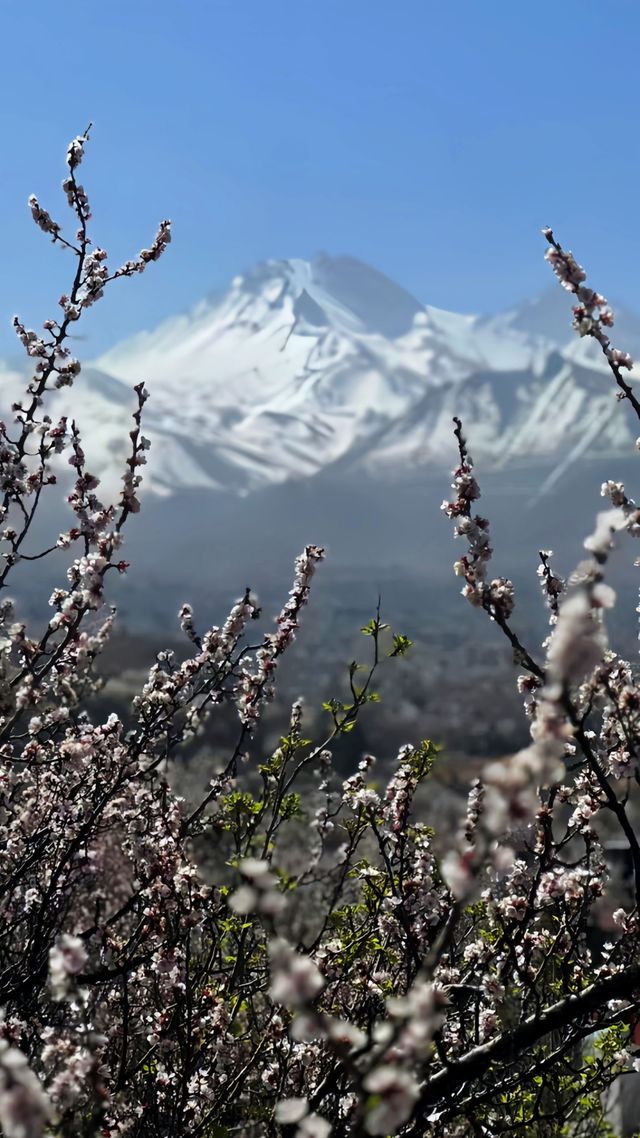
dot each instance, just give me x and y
(432, 139)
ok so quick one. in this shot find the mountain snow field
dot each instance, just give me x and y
(302, 367)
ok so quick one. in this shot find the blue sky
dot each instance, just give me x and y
(432, 139)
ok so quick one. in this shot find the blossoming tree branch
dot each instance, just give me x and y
(374, 988)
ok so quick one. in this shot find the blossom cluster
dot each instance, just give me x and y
(495, 596)
(591, 314)
(329, 965)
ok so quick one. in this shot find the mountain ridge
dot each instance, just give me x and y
(302, 366)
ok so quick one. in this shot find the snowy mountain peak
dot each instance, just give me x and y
(305, 367)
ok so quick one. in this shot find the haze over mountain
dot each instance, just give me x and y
(313, 401)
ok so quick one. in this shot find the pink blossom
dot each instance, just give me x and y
(295, 979)
(24, 1107)
(396, 1092)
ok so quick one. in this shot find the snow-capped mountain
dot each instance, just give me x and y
(312, 401)
(303, 367)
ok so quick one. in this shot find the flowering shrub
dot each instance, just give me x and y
(366, 987)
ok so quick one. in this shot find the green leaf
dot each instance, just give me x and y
(401, 645)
